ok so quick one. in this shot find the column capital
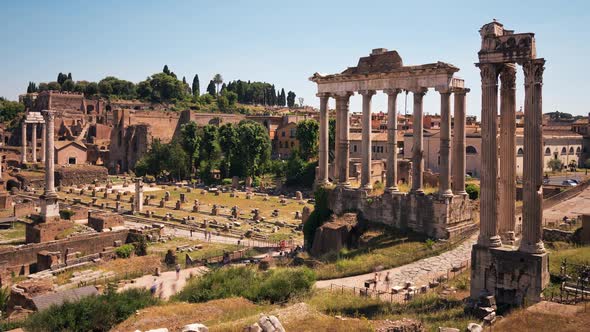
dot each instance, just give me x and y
(421, 91)
(366, 93)
(342, 94)
(489, 73)
(533, 71)
(460, 91)
(48, 114)
(323, 95)
(392, 92)
(508, 77)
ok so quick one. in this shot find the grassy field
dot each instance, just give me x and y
(14, 233)
(386, 248)
(209, 249)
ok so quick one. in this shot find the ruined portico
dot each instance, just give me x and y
(443, 215)
(510, 266)
(33, 119)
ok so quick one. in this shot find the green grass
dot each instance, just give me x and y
(389, 249)
(17, 232)
(431, 309)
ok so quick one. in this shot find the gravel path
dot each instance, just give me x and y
(419, 272)
(167, 282)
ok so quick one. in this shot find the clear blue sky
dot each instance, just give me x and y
(284, 42)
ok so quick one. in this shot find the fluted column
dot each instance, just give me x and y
(342, 100)
(324, 139)
(336, 167)
(488, 235)
(49, 117)
(507, 208)
(24, 143)
(34, 142)
(417, 149)
(445, 145)
(366, 140)
(458, 146)
(138, 201)
(391, 177)
(43, 134)
(532, 228)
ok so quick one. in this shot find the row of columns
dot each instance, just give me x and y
(342, 143)
(498, 189)
(33, 142)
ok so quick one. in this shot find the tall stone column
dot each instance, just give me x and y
(445, 145)
(138, 201)
(324, 146)
(532, 228)
(507, 208)
(49, 202)
(336, 167)
(417, 149)
(391, 177)
(366, 140)
(43, 134)
(24, 143)
(34, 142)
(342, 101)
(488, 235)
(459, 142)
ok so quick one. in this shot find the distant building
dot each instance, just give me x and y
(70, 153)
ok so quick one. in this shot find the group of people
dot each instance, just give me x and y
(386, 280)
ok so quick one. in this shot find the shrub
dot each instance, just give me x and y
(93, 313)
(141, 246)
(124, 251)
(472, 190)
(226, 181)
(272, 286)
(66, 214)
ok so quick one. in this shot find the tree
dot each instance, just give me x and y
(68, 85)
(81, 86)
(217, 79)
(291, 99)
(69, 76)
(308, 135)
(587, 163)
(10, 110)
(54, 86)
(162, 88)
(555, 164)
(32, 87)
(229, 142)
(43, 86)
(105, 88)
(253, 155)
(211, 88)
(166, 70)
(91, 89)
(61, 78)
(283, 99)
(210, 153)
(195, 86)
(190, 140)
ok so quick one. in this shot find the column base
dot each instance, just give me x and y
(447, 194)
(418, 191)
(367, 187)
(535, 248)
(491, 242)
(393, 190)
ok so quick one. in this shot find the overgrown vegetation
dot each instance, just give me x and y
(125, 250)
(66, 214)
(320, 214)
(94, 313)
(276, 285)
(472, 190)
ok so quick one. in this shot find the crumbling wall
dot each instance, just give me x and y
(75, 175)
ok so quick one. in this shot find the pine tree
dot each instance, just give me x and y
(61, 78)
(211, 88)
(166, 70)
(196, 89)
(283, 100)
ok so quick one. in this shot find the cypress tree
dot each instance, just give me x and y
(69, 76)
(211, 88)
(166, 70)
(196, 89)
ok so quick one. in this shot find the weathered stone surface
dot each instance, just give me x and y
(473, 327)
(196, 327)
(338, 233)
(402, 325)
(270, 324)
(83, 174)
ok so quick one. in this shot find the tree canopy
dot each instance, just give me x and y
(308, 135)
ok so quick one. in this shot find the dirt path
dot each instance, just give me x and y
(167, 282)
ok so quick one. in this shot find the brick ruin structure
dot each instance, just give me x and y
(444, 215)
(507, 264)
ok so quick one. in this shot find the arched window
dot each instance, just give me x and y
(470, 150)
(578, 150)
(520, 152)
(571, 150)
(563, 150)
(547, 151)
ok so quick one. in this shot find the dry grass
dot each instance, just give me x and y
(16, 232)
(175, 315)
(533, 321)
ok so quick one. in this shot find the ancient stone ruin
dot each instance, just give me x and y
(508, 262)
(445, 215)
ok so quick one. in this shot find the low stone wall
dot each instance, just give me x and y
(75, 175)
(439, 218)
(23, 259)
(553, 235)
(24, 208)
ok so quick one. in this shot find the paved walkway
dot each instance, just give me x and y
(573, 207)
(167, 282)
(419, 272)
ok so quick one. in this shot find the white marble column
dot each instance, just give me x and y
(49, 202)
(445, 145)
(336, 167)
(417, 149)
(366, 145)
(138, 201)
(458, 146)
(488, 235)
(34, 142)
(342, 102)
(507, 204)
(532, 208)
(24, 143)
(324, 146)
(391, 177)
(43, 134)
